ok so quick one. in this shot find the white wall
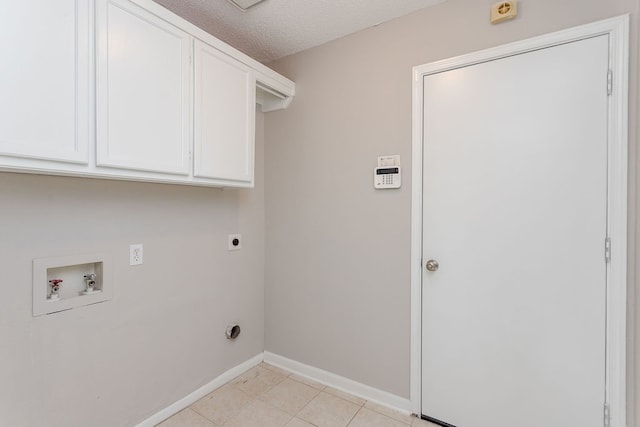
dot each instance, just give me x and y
(162, 335)
(338, 252)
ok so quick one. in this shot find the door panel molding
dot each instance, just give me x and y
(618, 31)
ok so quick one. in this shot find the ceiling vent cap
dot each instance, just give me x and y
(245, 4)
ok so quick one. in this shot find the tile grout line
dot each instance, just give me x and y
(354, 416)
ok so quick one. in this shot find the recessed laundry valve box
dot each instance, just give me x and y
(63, 283)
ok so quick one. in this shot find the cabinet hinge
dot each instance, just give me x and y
(609, 82)
(607, 249)
(607, 415)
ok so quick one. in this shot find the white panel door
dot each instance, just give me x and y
(143, 90)
(44, 79)
(514, 211)
(224, 116)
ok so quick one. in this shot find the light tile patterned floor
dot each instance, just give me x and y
(267, 396)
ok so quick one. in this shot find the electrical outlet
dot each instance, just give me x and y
(235, 242)
(135, 254)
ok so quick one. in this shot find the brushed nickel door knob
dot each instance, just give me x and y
(432, 265)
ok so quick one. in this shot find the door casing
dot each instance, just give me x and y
(618, 30)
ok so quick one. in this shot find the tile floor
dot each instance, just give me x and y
(267, 396)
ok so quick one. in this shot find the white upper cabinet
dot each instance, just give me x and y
(126, 89)
(143, 90)
(225, 103)
(44, 81)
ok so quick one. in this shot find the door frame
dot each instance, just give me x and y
(616, 305)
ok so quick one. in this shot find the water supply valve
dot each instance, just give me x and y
(55, 285)
(90, 283)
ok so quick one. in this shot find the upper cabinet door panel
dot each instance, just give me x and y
(224, 117)
(143, 90)
(44, 79)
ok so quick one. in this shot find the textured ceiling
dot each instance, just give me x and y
(276, 28)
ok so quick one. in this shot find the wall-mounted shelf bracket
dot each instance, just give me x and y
(272, 97)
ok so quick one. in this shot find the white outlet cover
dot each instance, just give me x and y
(136, 254)
(232, 239)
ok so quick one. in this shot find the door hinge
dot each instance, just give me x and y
(607, 249)
(609, 82)
(607, 415)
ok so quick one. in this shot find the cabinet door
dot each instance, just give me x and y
(224, 117)
(44, 79)
(143, 90)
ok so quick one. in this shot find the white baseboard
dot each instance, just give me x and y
(202, 391)
(341, 383)
(324, 377)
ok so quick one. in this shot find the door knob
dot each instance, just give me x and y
(432, 265)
